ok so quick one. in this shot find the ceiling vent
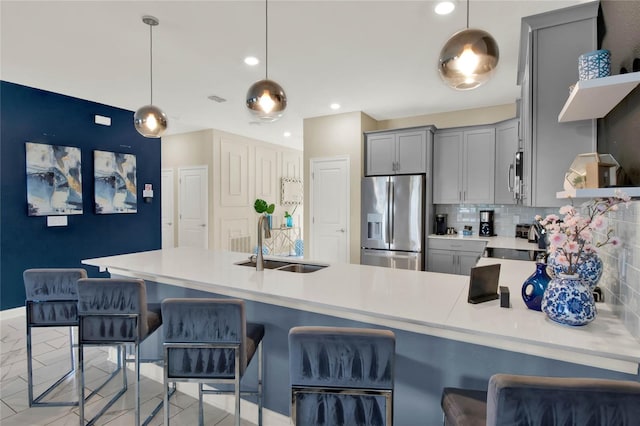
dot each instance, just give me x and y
(217, 99)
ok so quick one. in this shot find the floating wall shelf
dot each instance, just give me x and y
(633, 192)
(595, 98)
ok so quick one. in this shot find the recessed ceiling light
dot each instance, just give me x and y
(287, 134)
(334, 106)
(444, 7)
(251, 60)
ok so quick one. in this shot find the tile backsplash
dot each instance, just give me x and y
(505, 216)
(620, 280)
(621, 277)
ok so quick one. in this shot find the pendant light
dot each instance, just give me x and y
(150, 121)
(266, 98)
(469, 58)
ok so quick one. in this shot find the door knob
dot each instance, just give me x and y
(203, 225)
(341, 230)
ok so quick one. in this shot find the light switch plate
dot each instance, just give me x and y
(57, 221)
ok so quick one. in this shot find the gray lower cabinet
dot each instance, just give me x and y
(453, 256)
(464, 165)
(548, 65)
(393, 152)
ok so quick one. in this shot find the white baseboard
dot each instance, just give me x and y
(12, 313)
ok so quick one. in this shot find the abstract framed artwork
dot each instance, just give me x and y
(54, 179)
(115, 186)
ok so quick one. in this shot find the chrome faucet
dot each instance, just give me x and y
(263, 225)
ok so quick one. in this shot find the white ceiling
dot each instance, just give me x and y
(379, 57)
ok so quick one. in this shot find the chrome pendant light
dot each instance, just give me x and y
(469, 58)
(266, 98)
(150, 121)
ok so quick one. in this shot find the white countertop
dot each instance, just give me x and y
(421, 302)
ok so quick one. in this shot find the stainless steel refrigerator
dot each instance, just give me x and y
(392, 223)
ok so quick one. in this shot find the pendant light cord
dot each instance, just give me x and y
(151, 61)
(467, 14)
(266, 39)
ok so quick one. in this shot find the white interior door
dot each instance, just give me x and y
(329, 202)
(193, 229)
(166, 194)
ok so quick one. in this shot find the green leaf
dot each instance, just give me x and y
(271, 208)
(261, 206)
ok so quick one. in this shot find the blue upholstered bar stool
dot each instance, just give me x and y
(341, 376)
(52, 300)
(209, 341)
(114, 311)
(544, 401)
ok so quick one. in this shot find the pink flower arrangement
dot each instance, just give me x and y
(573, 237)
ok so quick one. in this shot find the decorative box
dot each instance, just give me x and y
(592, 170)
(594, 64)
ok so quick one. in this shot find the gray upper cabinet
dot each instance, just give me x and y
(507, 145)
(463, 166)
(397, 151)
(550, 46)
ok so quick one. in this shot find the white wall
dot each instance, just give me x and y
(339, 135)
(241, 169)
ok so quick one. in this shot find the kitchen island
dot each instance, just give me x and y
(442, 340)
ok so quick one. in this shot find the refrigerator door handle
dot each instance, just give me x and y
(391, 207)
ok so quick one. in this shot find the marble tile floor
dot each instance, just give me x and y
(52, 359)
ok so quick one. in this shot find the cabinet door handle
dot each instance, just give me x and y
(397, 166)
(509, 171)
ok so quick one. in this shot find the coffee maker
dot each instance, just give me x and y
(441, 224)
(486, 223)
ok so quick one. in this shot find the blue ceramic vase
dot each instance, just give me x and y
(568, 300)
(533, 288)
(589, 268)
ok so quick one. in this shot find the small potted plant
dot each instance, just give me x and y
(288, 218)
(262, 207)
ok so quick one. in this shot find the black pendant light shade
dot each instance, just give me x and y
(469, 58)
(265, 98)
(150, 121)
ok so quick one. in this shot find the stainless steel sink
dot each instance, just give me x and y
(301, 268)
(268, 264)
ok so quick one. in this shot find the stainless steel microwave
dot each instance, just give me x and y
(516, 176)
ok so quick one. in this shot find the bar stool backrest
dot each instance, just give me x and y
(112, 310)
(555, 401)
(52, 295)
(341, 375)
(204, 321)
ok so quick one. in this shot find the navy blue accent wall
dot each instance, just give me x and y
(32, 115)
